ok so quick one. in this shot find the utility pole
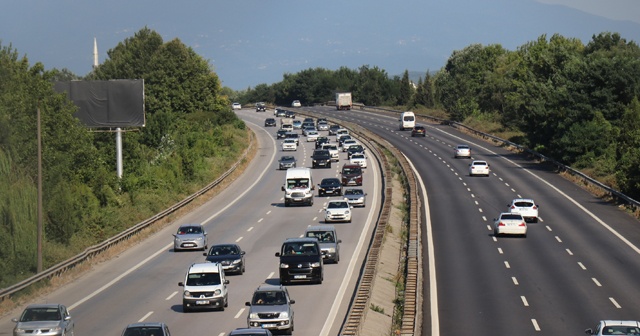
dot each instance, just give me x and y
(40, 224)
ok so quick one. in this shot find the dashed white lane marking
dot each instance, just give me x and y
(145, 316)
(535, 325)
(239, 313)
(582, 266)
(524, 301)
(615, 303)
(515, 281)
(171, 296)
(596, 282)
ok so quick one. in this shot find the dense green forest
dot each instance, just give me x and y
(191, 136)
(576, 103)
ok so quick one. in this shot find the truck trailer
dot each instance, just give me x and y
(343, 101)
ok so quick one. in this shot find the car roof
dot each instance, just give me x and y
(268, 287)
(249, 331)
(462, 146)
(326, 179)
(301, 240)
(321, 228)
(620, 323)
(206, 267)
(43, 305)
(478, 161)
(522, 200)
(145, 324)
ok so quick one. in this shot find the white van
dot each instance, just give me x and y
(407, 120)
(205, 286)
(298, 187)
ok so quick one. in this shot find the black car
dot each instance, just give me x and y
(354, 149)
(270, 122)
(321, 158)
(261, 107)
(321, 141)
(301, 261)
(230, 256)
(419, 131)
(289, 114)
(280, 113)
(286, 162)
(333, 129)
(281, 134)
(330, 186)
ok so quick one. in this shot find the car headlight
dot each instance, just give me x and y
(186, 293)
(217, 292)
(328, 213)
(199, 238)
(19, 330)
(237, 261)
(284, 315)
(283, 265)
(331, 250)
(315, 264)
(253, 315)
(346, 212)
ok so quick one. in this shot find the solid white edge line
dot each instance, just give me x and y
(433, 285)
(352, 264)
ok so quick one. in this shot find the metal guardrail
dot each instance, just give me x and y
(587, 180)
(99, 248)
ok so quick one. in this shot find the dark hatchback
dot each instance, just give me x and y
(230, 256)
(286, 162)
(419, 131)
(281, 134)
(301, 261)
(354, 149)
(289, 114)
(321, 158)
(330, 186)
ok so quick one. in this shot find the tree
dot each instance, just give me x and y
(406, 90)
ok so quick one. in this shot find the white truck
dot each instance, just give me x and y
(343, 101)
(298, 187)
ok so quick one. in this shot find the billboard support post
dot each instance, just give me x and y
(119, 152)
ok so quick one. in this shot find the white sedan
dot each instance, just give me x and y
(338, 211)
(462, 151)
(359, 159)
(289, 145)
(526, 207)
(478, 167)
(510, 224)
(348, 143)
(236, 106)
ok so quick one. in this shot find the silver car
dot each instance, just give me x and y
(356, 197)
(190, 237)
(462, 151)
(270, 308)
(44, 320)
(327, 236)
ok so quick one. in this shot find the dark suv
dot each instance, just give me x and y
(270, 308)
(301, 261)
(321, 158)
(419, 131)
(261, 107)
(330, 186)
(351, 174)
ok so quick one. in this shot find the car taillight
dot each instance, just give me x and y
(500, 224)
(522, 224)
(534, 207)
(513, 207)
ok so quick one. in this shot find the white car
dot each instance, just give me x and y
(348, 143)
(289, 145)
(462, 151)
(359, 159)
(478, 167)
(323, 126)
(615, 327)
(312, 136)
(306, 130)
(333, 151)
(296, 103)
(526, 207)
(510, 224)
(338, 211)
(236, 106)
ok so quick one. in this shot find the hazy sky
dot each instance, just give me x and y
(611, 9)
(250, 42)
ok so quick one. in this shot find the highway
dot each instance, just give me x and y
(141, 284)
(578, 265)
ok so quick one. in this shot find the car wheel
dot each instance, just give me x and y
(185, 308)
(524, 235)
(349, 221)
(495, 233)
(226, 303)
(535, 219)
(286, 203)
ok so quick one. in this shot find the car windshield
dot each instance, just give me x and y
(329, 182)
(203, 279)
(463, 147)
(337, 205)
(224, 250)
(40, 314)
(352, 171)
(322, 236)
(143, 331)
(299, 248)
(287, 158)
(354, 192)
(189, 230)
(297, 183)
(269, 298)
(479, 163)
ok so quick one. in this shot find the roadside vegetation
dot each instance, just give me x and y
(576, 103)
(191, 137)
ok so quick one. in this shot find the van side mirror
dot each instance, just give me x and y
(180, 284)
(282, 188)
(226, 282)
(277, 254)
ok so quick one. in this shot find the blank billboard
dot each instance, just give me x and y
(111, 103)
